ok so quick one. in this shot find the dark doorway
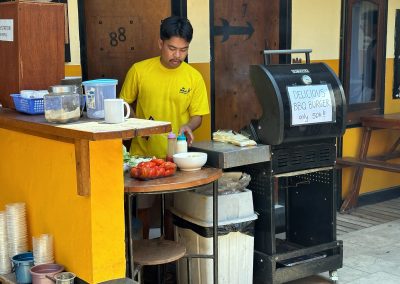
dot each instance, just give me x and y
(363, 57)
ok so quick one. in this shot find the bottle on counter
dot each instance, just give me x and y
(171, 147)
(181, 144)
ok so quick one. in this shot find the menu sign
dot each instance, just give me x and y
(311, 104)
(6, 30)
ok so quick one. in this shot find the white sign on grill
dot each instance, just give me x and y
(311, 104)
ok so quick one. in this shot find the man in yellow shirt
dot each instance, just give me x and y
(166, 88)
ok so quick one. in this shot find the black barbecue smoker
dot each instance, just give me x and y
(294, 193)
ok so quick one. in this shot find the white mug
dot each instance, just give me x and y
(114, 110)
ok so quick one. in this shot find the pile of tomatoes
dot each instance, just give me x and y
(155, 168)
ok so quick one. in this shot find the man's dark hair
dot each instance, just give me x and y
(176, 26)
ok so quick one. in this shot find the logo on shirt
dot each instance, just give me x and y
(184, 91)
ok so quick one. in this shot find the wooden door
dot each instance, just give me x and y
(241, 30)
(119, 33)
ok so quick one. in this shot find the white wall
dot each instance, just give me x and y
(74, 32)
(199, 16)
(316, 25)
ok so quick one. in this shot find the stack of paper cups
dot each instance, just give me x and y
(5, 262)
(43, 249)
(17, 231)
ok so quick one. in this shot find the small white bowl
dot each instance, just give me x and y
(190, 161)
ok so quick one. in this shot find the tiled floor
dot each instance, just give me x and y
(371, 254)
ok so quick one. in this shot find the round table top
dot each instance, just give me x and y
(156, 251)
(179, 181)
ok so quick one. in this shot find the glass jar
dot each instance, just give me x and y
(62, 104)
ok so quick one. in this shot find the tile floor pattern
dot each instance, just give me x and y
(370, 256)
(371, 247)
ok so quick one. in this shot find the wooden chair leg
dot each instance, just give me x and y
(352, 198)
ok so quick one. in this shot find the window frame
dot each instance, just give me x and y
(356, 111)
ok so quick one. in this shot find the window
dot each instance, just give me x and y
(363, 57)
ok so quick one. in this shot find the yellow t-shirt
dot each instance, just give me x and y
(164, 94)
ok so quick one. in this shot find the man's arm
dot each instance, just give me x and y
(188, 128)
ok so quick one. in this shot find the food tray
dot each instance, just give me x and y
(28, 105)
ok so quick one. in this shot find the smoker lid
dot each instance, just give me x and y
(299, 101)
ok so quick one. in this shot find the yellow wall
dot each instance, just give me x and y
(204, 132)
(88, 231)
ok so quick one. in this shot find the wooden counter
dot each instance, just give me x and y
(80, 133)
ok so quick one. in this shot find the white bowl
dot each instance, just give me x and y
(190, 161)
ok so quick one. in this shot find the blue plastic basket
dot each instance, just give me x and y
(28, 105)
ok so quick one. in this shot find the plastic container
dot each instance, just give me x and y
(62, 104)
(28, 105)
(181, 144)
(39, 273)
(65, 278)
(96, 92)
(197, 208)
(235, 257)
(22, 263)
(171, 147)
(193, 229)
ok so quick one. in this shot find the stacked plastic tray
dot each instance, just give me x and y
(17, 231)
(5, 263)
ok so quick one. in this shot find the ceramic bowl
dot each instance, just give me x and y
(190, 161)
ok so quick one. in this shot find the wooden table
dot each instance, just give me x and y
(80, 133)
(381, 162)
(181, 181)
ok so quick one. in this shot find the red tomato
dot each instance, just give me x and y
(153, 173)
(169, 172)
(151, 164)
(134, 172)
(169, 165)
(145, 172)
(160, 172)
(158, 162)
(141, 164)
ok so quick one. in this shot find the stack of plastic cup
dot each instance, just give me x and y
(5, 262)
(43, 249)
(17, 231)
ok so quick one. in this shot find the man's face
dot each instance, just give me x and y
(173, 51)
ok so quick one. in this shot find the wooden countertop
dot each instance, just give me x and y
(181, 180)
(80, 133)
(88, 129)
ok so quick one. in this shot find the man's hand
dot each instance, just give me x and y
(188, 133)
(193, 124)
